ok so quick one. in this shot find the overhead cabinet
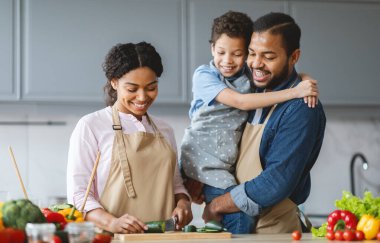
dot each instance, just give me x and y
(52, 51)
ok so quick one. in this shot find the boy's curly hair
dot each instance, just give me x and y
(233, 24)
(123, 58)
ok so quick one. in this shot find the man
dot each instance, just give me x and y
(281, 143)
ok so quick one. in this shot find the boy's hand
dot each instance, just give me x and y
(195, 190)
(308, 89)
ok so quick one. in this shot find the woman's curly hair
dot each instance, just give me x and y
(233, 24)
(123, 58)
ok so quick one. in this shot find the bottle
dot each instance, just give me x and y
(81, 232)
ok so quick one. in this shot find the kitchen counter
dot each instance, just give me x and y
(257, 238)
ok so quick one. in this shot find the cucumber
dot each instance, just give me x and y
(57, 207)
(155, 227)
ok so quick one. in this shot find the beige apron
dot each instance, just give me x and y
(140, 180)
(282, 217)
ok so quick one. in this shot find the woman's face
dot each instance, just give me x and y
(136, 91)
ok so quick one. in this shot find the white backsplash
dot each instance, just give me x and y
(41, 152)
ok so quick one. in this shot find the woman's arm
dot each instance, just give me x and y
(259, 100)
(126, 224)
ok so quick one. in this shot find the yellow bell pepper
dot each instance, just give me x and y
(1, 216)
(369, 225)
(71, 216)
(1, 224)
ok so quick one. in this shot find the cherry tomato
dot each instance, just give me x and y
(296, 235)
(359, 235)
(102, 238)
(348, 235)
(338, 235)
(330, 235)
(56, 239)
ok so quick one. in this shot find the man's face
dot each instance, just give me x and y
(268, 60)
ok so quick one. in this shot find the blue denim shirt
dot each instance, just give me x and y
(289, 148)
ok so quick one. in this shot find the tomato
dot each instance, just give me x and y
(296, 235)
(359, 235)
(378, 236)
(348, 235)
(4, 237)
(56, 239)
(330, 235)
(102, 238)
(338, 235)
(16, 235)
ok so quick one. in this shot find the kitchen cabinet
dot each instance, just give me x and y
(9, 85)
(52, 51)
(340, 49)
(65, 42)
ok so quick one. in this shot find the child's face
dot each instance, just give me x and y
(229, 54)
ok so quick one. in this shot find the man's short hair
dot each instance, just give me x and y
(280, 24)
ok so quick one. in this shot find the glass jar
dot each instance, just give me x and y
(82, 232)
(40, 233)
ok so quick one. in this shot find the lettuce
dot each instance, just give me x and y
(320, 232)
(367, 205)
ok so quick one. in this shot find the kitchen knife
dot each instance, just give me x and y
(171, 223)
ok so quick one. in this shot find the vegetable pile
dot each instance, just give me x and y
(355, 219)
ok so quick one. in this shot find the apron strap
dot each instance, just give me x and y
(269, 114)
(122, 152)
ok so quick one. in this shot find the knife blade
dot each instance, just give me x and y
(170, 224)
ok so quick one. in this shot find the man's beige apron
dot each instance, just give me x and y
(140, 181)
(282, 217)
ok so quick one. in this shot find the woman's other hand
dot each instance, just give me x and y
(127, 224)
(195, 189)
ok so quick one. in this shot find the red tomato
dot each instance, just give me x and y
(16, 235)
(4, 237)
(359, 235)
(348, 235)
(338, 235)
(102, 238)
(330, 235)
(56, 239)
(378, 236)
(296, 235)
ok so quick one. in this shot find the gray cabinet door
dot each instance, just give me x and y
(65, 42)
(8, 80)
(340, 48)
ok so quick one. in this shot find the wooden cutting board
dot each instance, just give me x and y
(172, 236)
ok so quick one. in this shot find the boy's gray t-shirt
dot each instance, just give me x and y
(210, 145)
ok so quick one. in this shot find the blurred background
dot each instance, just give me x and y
(51, 53)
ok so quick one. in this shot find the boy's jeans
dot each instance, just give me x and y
(236, 223)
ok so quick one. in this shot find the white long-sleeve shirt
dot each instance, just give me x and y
(94, 132)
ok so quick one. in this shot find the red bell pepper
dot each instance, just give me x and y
(340, 220)
(55, 218)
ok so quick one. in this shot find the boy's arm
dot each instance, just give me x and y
(258, 100)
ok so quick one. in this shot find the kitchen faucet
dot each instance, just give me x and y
(365, 167)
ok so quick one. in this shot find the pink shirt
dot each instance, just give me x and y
(94, 132)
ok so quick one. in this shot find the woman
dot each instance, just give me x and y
(137, 179)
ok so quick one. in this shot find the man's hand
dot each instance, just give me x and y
(210, 214)
(195, 190)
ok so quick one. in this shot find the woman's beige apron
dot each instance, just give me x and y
(140, 180)
(282, 217)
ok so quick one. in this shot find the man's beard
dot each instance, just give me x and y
(280, 78)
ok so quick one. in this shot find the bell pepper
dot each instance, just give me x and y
(71, 215)
(55, 218)
(340, 220)
(369, 225)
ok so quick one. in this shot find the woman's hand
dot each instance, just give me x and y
(195, 189)
(182, 212)
(127, 224)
